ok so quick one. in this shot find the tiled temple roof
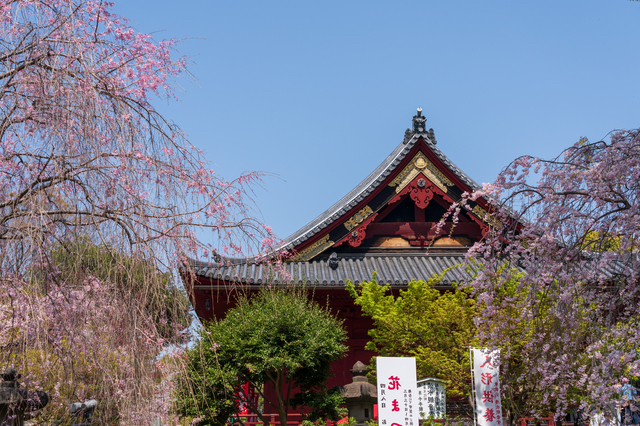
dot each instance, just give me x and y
(392, 269)
(345, 205)
(396, 267)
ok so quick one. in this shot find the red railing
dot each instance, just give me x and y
(293, 419)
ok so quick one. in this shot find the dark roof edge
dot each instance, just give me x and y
(390, 270)
(368, 185)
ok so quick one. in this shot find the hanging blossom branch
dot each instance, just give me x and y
(572, 239)
(100, 198)
(82, 146)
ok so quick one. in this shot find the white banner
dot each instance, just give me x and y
(487, 387)
(397, 391)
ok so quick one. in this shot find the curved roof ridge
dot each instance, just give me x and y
(371, 182)
(353, 197)
(455, 169)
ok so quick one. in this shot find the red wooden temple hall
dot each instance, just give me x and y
(385, 224)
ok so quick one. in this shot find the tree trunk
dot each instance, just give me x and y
(282, 405)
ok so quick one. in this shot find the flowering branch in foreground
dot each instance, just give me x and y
(575, 233)
(86, 164)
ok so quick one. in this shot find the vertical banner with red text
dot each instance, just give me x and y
(397, 388)
(487, 387)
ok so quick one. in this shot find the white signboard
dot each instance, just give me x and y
(432, 399)
(397, 391)
(487, 387)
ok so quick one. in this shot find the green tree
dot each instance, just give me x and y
(437, 329)
(276, 338)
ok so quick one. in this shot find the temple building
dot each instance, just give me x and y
(386, 225)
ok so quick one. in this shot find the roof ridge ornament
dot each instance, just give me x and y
(419, 122)
(419, 128)
(432, 136)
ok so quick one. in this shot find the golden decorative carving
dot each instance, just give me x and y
(358, 218)
(316, 248)
(480, 212)
(484, 216)
(420, 164)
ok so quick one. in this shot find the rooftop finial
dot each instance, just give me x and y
(419, 122)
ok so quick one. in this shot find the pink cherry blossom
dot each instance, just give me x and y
(558, 274)
(84, 156)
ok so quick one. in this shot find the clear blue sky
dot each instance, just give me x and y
(320, 93)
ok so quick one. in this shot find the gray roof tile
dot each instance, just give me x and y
(396, 270)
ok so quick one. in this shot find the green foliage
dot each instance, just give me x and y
(319, 422)
(595, 241)
(278, 337)
(435, 328)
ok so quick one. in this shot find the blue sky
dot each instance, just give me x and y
(319, 93)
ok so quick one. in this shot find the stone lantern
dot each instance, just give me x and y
(15, 401)
(360, 395)
(82, 412)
